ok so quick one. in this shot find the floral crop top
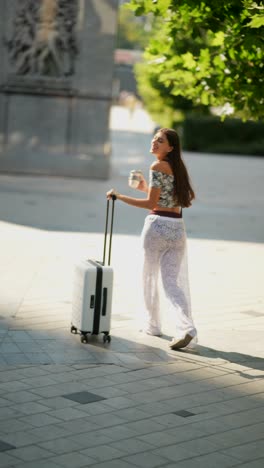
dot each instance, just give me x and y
(165, 183)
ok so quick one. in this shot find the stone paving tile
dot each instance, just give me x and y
(170, 437)
(123, 377)
(19, 336)
(4, 326)
(198, 405)
(77, 426)
(119, 403)
(96, 408)
(253, 463)
(207, 426)
(10, 373)
(28, 347)
(49, 432)
(19, 438)
(6, 348)
(145, 397)
(39, 358)
(150, 357)
(227, 407)
(16, 386)
(243, 418)
(32, 371)
(98, 382)
(107, 420)
(198, 399)
(187, 449)
(238, 436)
(67, 414)
(245, 402)
(8, 412)
(11, 425)
(55, 403)
(73, 460)
(16, 358)
(30, 453)
(250, 388)
(132, 414)
(84, 371)
(61, 446)
(133, 387)
(155, 409)
(21, 397)
(247, 451)
(39, 334)
(4, 402)
(114, 464)
(50, 391)
(103, 453)
(111, 392)
(228, 380)
(7, 460)
(201, 374)
(146, 460)
(181, 365)
(39, 420)
(212, 460)
(145, 426)
(90, 439)
(137, 374)
(40, 464)
(132, 446)
(59, 368)
(153, 382)
(62, 377)
(117, 433)
(168, 420)
(30, 408)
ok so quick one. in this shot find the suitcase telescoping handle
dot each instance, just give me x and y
(111, 229)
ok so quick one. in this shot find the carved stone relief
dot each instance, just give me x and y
(43, 41)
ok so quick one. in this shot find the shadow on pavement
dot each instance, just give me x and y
(246, 360)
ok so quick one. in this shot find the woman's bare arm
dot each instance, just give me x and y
(149, 203)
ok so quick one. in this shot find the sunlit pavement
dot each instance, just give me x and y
(157, 407)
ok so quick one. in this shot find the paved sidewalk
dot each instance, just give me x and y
(133, 403)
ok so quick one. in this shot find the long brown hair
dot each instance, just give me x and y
(183, 191)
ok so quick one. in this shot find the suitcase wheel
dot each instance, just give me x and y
(84, 338)
(73, 329)
(107, 338)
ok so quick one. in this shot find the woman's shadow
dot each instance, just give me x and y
(245, 360)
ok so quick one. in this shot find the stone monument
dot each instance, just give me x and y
(56, 76)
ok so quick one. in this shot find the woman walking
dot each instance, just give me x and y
(164, 237)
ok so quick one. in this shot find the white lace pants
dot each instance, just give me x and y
(164, 244)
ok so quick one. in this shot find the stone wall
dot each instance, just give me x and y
(56, 86)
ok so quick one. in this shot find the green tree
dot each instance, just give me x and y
(205, 51)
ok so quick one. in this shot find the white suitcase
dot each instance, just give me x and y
(92, 293)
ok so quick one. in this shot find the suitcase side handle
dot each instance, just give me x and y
(111, 229)
(104, 302)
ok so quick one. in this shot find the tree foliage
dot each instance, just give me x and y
(207, 52)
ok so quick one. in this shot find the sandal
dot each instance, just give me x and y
(177, 344)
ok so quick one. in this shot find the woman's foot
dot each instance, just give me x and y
(177, 344)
